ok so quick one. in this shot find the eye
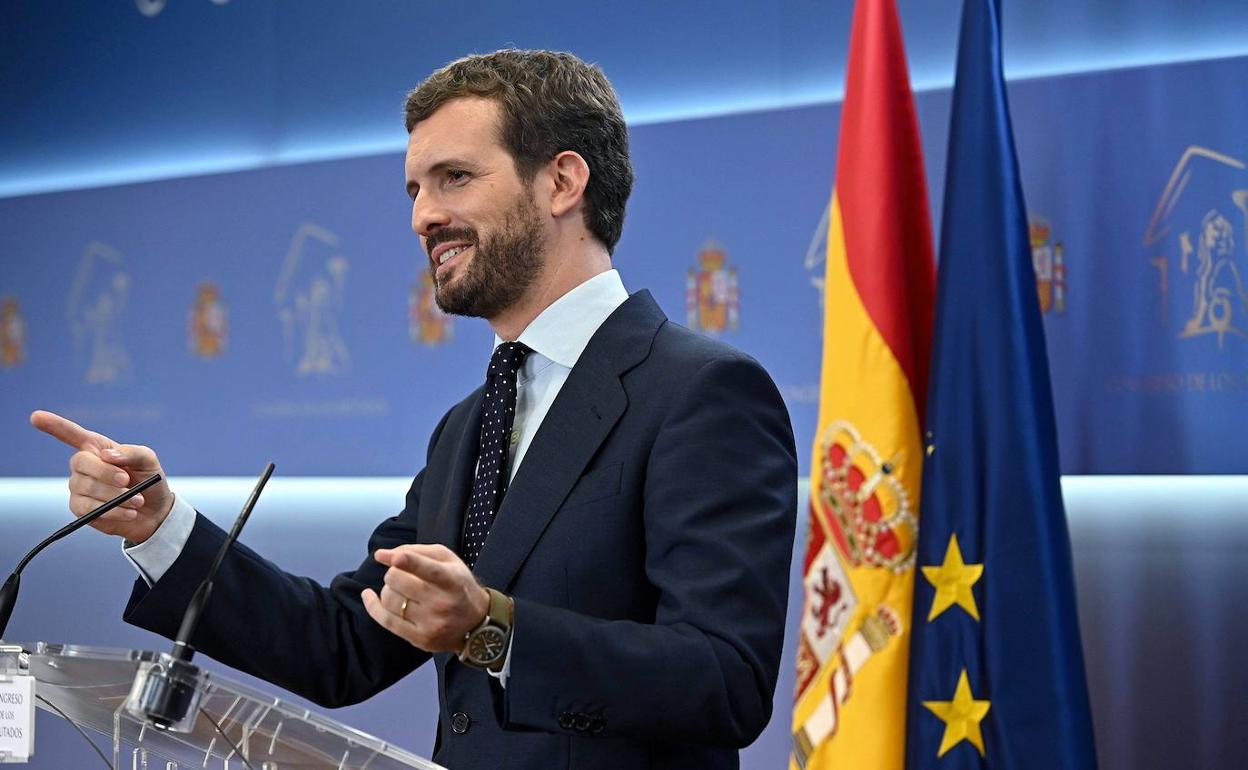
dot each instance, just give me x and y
(456, 175)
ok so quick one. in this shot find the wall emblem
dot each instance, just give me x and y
(1197, 245)
(427, 324)
(310, 298)
(208, 322)
(97, 305)
(1049, 260)
(12, 334)
(712, 298)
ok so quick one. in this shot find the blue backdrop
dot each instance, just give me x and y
(139, 89)
(279, 313)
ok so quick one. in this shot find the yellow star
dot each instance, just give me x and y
(952, 581)
(961, 716)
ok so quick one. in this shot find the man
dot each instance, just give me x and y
(624, 605)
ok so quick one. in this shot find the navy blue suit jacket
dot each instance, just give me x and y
(646, 539)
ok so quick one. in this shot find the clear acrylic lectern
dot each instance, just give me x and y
(229, 726)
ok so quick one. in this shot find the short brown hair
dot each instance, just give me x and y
(551, 102)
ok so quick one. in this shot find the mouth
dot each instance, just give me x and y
(447, 253)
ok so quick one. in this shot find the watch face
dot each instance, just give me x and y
(487, 646)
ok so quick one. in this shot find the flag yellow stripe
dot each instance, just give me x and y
(862, 382)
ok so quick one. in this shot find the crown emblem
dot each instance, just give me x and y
(872, 519)
(712, 257)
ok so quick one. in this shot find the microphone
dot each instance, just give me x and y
(167, 692)
(8, 594)
(182, 649)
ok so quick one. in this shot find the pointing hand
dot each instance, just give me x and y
(101, 469)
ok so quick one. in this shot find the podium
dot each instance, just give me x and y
(228, 726)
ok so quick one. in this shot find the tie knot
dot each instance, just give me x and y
(508, 358)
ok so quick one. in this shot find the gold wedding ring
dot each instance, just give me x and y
(403, 608)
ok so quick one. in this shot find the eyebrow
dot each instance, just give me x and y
(438, 167)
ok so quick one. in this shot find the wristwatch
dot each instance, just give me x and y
(486, 645)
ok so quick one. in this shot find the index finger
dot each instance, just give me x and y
(69, 432)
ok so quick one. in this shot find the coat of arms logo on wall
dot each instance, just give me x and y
(1049, 259)
(712, 296)
(97, 305)
(310, 298)
(207, 327)
(12, 334)
(1197, 241)
(427, 324)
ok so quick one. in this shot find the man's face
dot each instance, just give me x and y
(480, 225)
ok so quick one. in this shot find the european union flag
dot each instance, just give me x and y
(996, 668)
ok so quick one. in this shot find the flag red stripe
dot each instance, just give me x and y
(881, 187)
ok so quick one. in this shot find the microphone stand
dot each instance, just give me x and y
(8, 593)
(166, 693)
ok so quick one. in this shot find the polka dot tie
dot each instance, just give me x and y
(498, 412)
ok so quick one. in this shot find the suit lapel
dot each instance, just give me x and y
(448, 527)
(581, 417)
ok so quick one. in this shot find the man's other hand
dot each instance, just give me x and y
(101, 469)
(443, 600)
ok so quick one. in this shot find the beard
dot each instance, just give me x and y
(502, 268)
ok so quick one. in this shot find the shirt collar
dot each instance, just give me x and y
(562, 331)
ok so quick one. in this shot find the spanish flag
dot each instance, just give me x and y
(868, 454)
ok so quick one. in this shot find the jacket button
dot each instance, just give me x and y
(566, 721)
(597, 724)
(460, 722)
(582, 722)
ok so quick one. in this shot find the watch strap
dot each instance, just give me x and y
(501, 610)
(499, 616)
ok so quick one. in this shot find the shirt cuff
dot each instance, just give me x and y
(502, 674)
(154, 556)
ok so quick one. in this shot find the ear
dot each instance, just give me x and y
(569, 174)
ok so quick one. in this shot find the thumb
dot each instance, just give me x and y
(131, 457)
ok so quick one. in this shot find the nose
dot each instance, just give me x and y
(428, 216)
